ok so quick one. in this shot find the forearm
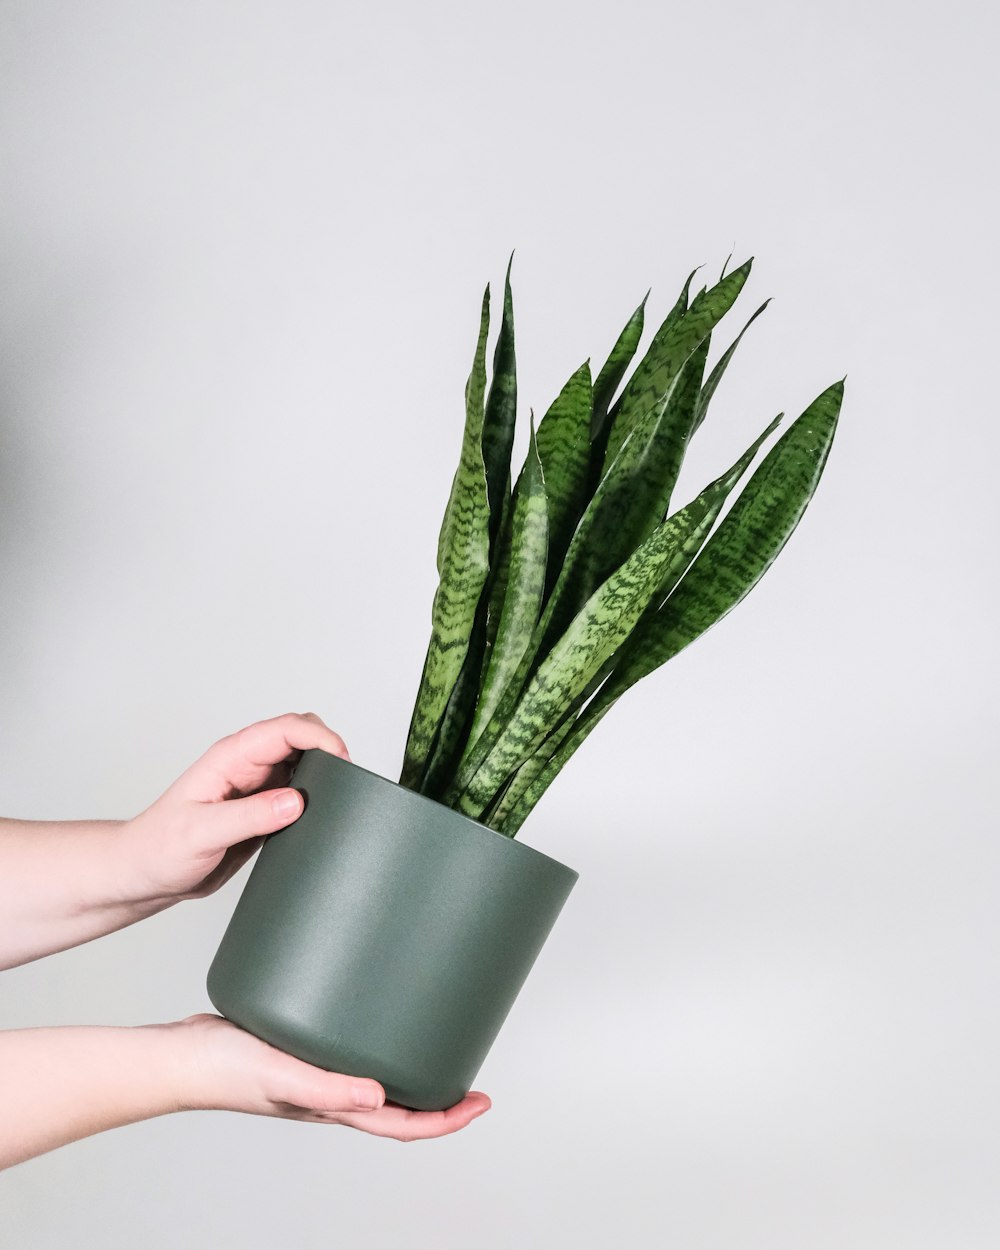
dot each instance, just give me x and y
(61, 884)
(60, 1084)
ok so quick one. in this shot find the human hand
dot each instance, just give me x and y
(66, 882)
(60, 1084)
(225, 1068)
(214, 817)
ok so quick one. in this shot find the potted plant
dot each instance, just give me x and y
(388, 931)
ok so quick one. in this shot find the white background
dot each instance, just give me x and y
(243, 247)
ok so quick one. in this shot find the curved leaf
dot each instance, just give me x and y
(715, 377)
(609, 379)
(629, 503)
(498, 574)
(501, 411)
(561, 607)
(556, 750)
(453, 731)
(524, 587)
(564, 451)
(742, 549)
(511, 798)
(595, 634)
(463, 562)
(540, 778)
(649, 386)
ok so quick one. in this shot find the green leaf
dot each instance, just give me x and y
(558, 748)
(715, 377)
(601, 455)
(524, 587)
(513, 795)
(609, 379)
(499, 572)
(635, 496)
(463, 563)
(740, 551)
(564, 451)
(632, 483)
(453, 731)
(501, 411)
(634, 493)
(541, 777)
(649, 387)
(594, 635)
(631, 500)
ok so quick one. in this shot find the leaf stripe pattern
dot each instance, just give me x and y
(564, 452)
(463, 563)
(525, 585)
(627, 506)
(732, 562)
(597, 630)
(649, 386)
(715, 377)
(596, 633)
(745, 545)
(501, 412)
(554, 599)
(610, 377)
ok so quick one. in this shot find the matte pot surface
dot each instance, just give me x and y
(385, 935)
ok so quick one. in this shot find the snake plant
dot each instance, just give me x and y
(557, 595)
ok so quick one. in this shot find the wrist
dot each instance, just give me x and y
(199, 1078)
(138, 850)
(60, 1084)
(63, 883)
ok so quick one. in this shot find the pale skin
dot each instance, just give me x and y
(63, 883)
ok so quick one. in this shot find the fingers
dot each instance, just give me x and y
(308, 1093)
(245, 761)
(217, 826)
(229, 1069)
(226, 1068)
(268, 741)
(300, 1085)
(405, 1125)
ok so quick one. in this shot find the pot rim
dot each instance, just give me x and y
(521, 848)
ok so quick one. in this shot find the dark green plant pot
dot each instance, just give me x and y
(385, 935)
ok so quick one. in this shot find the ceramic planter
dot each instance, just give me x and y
(385, 935)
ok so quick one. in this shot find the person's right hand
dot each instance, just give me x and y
(225, 1068)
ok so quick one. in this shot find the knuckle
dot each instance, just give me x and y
(243, 737)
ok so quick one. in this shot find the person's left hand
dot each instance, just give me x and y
(205, 827)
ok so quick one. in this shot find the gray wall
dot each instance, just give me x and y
(243, 247)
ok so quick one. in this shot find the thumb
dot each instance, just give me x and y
(225, 823)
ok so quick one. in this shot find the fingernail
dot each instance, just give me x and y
(286, 804)
(368, 1097)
